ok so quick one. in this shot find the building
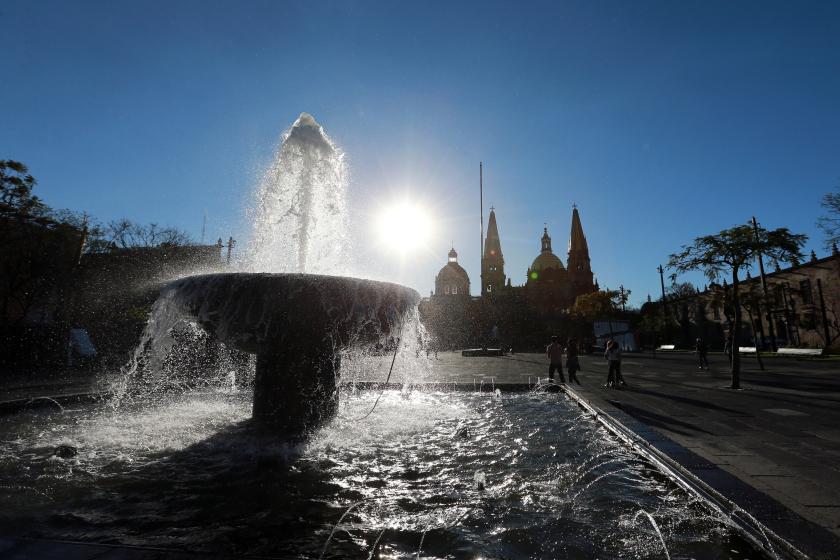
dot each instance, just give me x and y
(452, 280)
(548, 281)
(520, 316)
(492, 262)
(801, 308)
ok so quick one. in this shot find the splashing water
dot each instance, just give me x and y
(299, 223)
(656, 528)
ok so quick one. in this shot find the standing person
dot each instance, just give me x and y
(702, 350)
(613, 356)
(572, 363)
(727, 348)
(555, 359)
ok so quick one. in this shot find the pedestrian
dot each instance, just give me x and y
(702, 350)
(727, 347)
(572, 362)
(613, 356)
(555, 359)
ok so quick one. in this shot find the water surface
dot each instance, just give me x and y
(468, 475)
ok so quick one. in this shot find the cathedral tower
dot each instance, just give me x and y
(580, 273)
(492, 262)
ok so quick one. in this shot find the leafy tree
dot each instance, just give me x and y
(37, 251)
(603, 304)
(16, 186)
(830, 223)
(731, 251)
(598, 305)
(677, 298)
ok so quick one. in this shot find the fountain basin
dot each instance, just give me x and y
(297, 325)
(189, 472)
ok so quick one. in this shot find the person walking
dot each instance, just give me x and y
(727, 347)
(572, 363)
(555, 359)
(702, 351)
(613, 356)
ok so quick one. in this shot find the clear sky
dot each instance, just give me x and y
(661, 120)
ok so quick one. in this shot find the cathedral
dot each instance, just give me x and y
(549, 285)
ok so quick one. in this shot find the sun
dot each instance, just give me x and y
(404, 226)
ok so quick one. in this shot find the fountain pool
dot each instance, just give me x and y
(448, 475)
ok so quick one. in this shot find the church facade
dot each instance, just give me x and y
(550, 285)
(522, 316)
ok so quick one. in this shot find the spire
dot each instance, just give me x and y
(492, 243)
(577, 240)
(580, 271)
(492, 261)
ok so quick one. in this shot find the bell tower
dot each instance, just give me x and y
(580, 272)
(492, 261)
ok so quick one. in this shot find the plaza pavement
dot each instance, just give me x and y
(780, 434)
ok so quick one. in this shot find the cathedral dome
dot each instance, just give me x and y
(452, 278)
(546, 259)
(453, 271)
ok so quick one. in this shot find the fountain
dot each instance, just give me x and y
(297, 323)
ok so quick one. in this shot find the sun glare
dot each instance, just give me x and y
(404, 226)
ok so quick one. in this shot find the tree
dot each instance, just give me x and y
(830, 223)
(678, 295)
(16, 186)
(38, 249)
(600, 305)
(125, 234)
(729, 252)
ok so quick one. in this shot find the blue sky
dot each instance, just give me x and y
(661, 120)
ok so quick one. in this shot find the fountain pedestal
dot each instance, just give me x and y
(297, 325)
(295, 387)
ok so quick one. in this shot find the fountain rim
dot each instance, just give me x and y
(299, 275)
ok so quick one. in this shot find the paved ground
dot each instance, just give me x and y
(780, 434)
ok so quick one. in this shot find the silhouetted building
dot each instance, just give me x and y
(452, 280)
(580, 272)
(493, 262)
(523, 316)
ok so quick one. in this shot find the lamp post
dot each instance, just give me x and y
(664, 302)
(771, 330)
